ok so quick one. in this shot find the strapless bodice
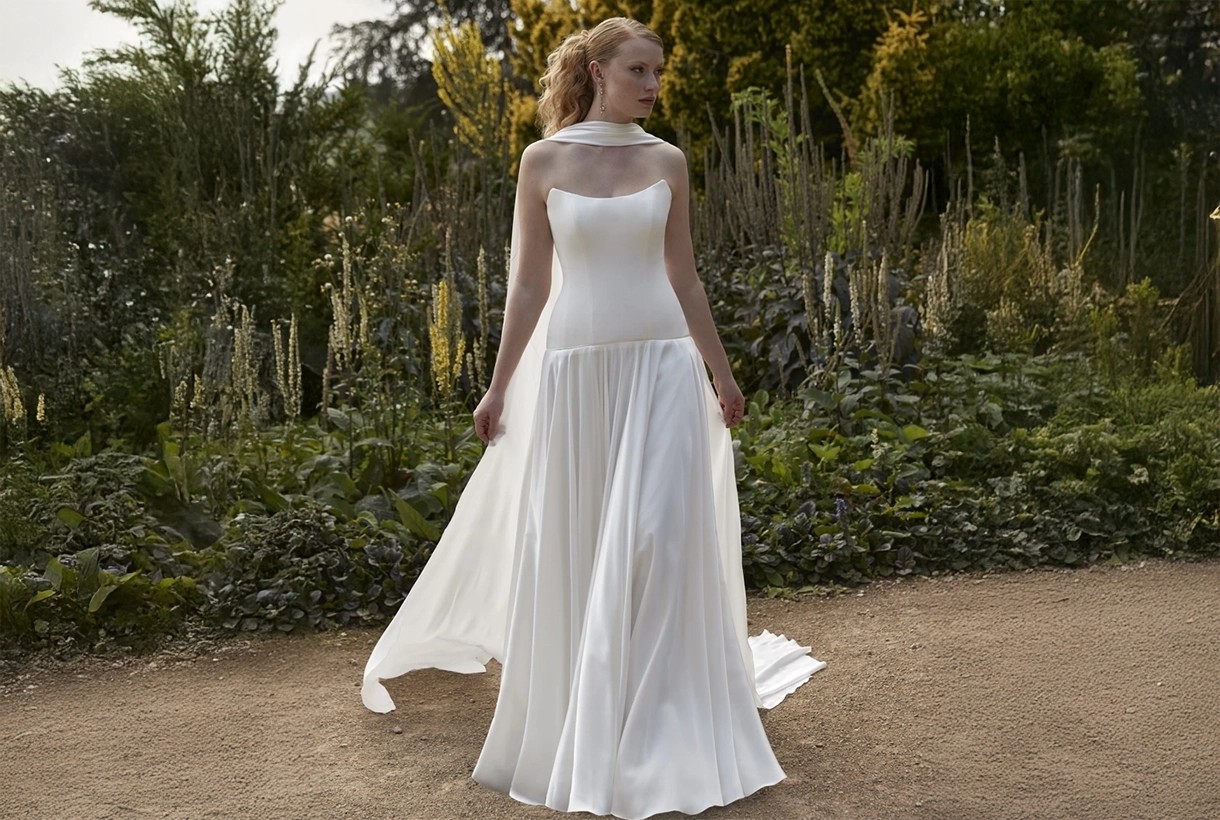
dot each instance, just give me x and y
(614, 286)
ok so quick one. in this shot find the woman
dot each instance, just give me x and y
(602, 522)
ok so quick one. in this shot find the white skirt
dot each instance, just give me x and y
(625, 690)
(630, 686)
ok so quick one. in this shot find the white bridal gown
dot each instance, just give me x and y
(596, 550)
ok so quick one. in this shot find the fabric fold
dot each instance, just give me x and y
(624, 690)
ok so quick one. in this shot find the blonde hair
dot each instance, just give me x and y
(567, 85)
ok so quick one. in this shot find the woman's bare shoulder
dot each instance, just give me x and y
(671, 152)
(672, 163)
(665, 153)
(537, 164)
(537, 155)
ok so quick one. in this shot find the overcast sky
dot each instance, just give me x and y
(38, 35)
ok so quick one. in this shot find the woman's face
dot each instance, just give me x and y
(632, 79)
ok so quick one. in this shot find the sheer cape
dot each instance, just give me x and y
(455, 617)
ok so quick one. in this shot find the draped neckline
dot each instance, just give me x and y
(601, 132)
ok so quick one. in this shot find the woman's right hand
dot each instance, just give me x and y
(487, 415)
(732, 402)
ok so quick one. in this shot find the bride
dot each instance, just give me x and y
(596, 550)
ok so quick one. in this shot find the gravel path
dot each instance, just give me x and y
(1053, 694)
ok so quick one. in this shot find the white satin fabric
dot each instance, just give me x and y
(596, 550)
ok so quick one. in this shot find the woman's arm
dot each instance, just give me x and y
(680, 265)
(528, 289)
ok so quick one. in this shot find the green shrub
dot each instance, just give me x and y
(79, 599)
(20, 533)
(993, 464)
(303, 567)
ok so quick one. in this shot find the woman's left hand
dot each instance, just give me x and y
(732, 402)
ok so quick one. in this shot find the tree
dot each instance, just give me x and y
(473, 86)
(1018, 78)
(718, 48)
(179, 156)
(218, 162)
(1177, 46)
(388, 57)
(541, 25)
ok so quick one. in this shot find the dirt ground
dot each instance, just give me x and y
(1052, 694)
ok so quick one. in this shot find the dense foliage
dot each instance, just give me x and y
(242, 326)
(994, 463)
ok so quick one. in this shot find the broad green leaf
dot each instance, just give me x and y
(374, 441)
(73, 518)
(83, 448)
(415, 522)
(99, 597)
(88, 566)
(54, 573)
(821, 398)
(39, 596)
(341, 483)
(340, 508)
(171, 455)
(340, 419)
(913, 432)
(157, 477)
(826, 452)
(985, 364)
(273, 499)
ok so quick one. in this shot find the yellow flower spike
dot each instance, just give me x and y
(10, 392)
(448, 344)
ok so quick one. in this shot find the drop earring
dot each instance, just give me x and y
(601, 92)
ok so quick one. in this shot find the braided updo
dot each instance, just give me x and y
(567, 84)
